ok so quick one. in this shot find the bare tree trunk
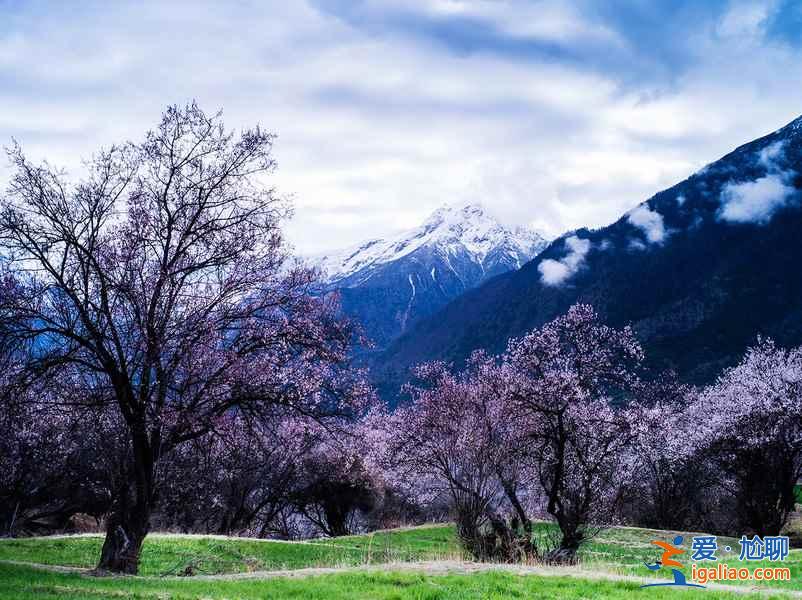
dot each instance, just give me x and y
(129, 521)
(570, 541)
(125, 532)
(336, 517)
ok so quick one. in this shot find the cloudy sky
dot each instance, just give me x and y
(552, 114)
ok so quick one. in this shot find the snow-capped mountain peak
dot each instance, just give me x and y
(387, 285)
(449, 230)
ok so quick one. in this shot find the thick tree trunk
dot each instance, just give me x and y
(125, 533)
(129, 521)
(336, 518)
(570, 542)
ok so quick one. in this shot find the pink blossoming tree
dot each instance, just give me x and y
(161, 281)
(750, 424)
(457, 440)
(536, 423)
(563, 379)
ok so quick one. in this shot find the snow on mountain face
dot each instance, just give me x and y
(450, 231)
(387, 285)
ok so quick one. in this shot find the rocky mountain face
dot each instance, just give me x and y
(388, 285)
(699, 270)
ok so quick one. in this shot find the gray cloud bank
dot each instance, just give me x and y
(556, 115)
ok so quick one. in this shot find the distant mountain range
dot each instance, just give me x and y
(388, 285)
(699, 270)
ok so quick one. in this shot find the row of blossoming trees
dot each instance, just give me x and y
(561, 426)
(165, 364)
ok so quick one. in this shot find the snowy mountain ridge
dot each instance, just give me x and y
(449, 231)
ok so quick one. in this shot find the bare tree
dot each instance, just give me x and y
(162, 284)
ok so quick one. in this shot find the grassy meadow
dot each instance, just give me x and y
(376, 565)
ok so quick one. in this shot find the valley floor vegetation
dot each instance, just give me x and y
(167, 366)
(418, 562)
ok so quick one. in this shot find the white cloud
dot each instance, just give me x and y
(744, 19)
(650, 222)
(545, 20)
(554, 272)
(377, 128)
(771, 154)
(754, 201)
(757, 201)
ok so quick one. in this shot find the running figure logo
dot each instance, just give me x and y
(666, 560)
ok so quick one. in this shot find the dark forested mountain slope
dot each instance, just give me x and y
(699, 270)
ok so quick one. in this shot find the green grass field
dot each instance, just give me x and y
(171, 555)
(620, 551)
(23, 583)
